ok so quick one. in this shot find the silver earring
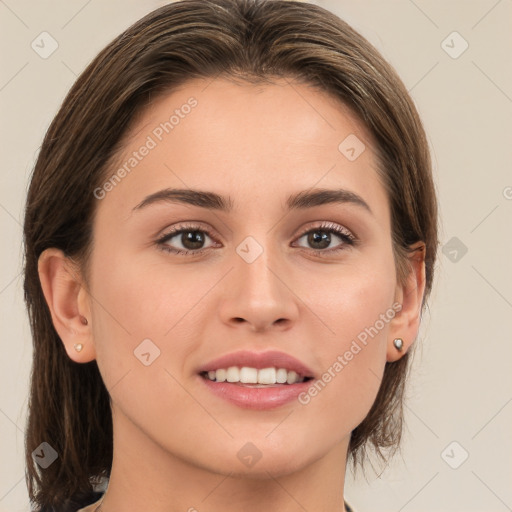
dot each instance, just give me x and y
(78, 347)
(399, 344)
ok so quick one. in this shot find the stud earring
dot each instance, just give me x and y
(84, 320)
(78, 347)
(399, 344)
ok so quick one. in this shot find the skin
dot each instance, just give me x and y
(175, 443)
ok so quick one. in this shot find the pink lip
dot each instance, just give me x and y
(259, 360)
(247, 396)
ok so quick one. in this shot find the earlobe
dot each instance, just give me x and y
(63, 290)
(405, 326)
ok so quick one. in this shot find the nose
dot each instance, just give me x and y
(259, 295)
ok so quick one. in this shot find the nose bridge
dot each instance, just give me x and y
(256, 265)
(258, 294)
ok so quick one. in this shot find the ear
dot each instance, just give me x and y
(406, 323)
(67, 300)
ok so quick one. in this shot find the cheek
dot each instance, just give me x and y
(353, 297)
(144, 298)
(131, 303)
(136, 301)
(356, 310)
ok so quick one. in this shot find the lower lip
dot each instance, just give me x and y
(256, 398)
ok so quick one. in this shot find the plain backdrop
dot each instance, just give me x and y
(455, 59)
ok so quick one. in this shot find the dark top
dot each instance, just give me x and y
(76, 503)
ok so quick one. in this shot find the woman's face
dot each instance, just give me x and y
(259, 276)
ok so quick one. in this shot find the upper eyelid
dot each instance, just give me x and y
(327, 225)
(185, 226)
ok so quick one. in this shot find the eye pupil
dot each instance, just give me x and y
(324, 239)
(195, 238)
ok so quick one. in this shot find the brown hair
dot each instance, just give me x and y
(252, 40)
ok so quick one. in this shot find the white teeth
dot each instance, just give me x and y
(233, 374)
(219, 375)
(248, 375)
(267, 376)
(292, 377)
(281, 376)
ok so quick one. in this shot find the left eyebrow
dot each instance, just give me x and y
(211, 200)
(320, 196)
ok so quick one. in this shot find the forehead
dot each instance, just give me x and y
(256, 142)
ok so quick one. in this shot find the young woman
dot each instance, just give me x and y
(230, 232)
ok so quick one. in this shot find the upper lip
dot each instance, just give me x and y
(259, 360)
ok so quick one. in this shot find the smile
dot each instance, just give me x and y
(254, 376)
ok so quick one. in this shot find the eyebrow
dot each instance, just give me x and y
(211, 200)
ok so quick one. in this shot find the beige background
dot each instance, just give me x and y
(461, 390)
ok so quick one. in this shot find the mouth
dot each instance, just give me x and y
(247, 376)
(256, 380)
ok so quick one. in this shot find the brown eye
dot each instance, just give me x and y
(192, 239)
(322, 237)
(185, 240)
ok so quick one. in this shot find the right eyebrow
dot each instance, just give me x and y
(199, 198)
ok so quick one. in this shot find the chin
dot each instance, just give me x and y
(262, 459)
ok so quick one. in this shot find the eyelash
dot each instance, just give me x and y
(329, 227)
